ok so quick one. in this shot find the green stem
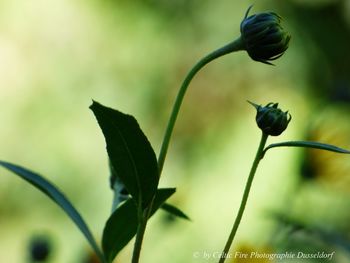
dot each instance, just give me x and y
(141, 228)
(231, 47)
(258, 157)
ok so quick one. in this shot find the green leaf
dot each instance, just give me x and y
(315, 145)
(173, 210)
(121, 227)
(130, 153)
(58, 197)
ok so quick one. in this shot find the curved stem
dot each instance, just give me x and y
(231, 47)
(258, 157)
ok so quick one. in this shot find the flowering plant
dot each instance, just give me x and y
(136, 170)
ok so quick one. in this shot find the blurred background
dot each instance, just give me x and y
(57, 55)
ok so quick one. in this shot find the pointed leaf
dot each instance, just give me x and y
(130, 153)
(58, 197)
(121, 227)
(173, 210)
(315, 145)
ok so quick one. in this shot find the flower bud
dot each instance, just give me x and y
(263, 36)
(270, 119)
(39, 248)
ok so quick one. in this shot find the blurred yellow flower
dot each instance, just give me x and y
(328, 168)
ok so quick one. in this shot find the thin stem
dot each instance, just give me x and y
(258, 157)
(231, 47)
(141, 228)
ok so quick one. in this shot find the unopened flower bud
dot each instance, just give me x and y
(263, 36)
(270, 119)
(39, 249)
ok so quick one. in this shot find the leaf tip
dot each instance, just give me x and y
(94, 104)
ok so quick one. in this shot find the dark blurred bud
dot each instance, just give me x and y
(270, 119)
(39, 249)
(263, 36)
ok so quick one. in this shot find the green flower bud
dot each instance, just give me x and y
(270, 119)
(263, 36)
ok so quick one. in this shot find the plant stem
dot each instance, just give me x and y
(231, 47)
(141, 228)
(258, 157)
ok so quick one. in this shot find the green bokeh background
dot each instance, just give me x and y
(57, 55)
